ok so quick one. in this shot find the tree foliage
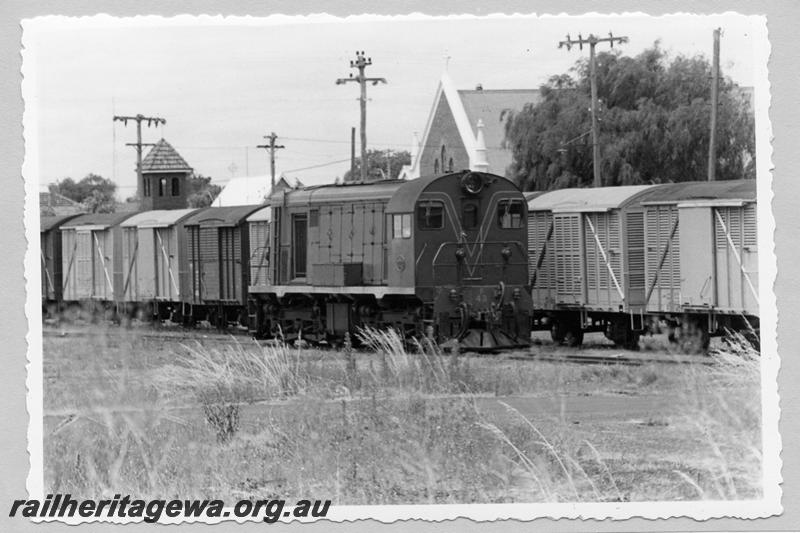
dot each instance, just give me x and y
(654, 116)
(96, 193)
(379, 163)
(201, 192)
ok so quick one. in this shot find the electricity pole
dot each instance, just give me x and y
(138, 144)
(712, 144)
(271, 147)
(361, 63)
(591, 40)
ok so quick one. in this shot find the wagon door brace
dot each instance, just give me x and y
(46, 272)
(661, 261)
(169, 266)
(130, 267)
(542, 252)
(605, 259)
(103, 262)
(737, 256)
(71, 260)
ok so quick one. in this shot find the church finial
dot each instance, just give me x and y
(480, 163)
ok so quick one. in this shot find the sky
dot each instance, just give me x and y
(223, 84)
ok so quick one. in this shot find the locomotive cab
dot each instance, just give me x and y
(460, 241)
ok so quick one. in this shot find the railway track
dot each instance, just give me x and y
(586, 356)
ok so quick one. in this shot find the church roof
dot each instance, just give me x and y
(470, 106)
(164, 158)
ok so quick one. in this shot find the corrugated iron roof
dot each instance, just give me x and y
(164, 158)
(159, 218)
(222, 216)
(47, 223)
(577, 200)
(103, 220)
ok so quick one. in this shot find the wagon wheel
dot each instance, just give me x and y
(574, 336)
(690, 338)
(557, 332)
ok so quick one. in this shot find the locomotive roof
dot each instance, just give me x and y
(373, 190)
(405, 199)
(98, 221)
(159, 218)
(47, 223)
(691, 191)
(582, 200)
(222, 216)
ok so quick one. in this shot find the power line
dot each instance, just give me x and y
(317, 166)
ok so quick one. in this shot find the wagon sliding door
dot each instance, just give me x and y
(209, 264)
(166, 264)
(567, 248)
(230, 246)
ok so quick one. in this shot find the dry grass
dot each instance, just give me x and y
(391, 425)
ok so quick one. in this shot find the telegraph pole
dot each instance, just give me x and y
(361, 63)
(712, 144)
(271, 147)
(139, 144)
(591, 40)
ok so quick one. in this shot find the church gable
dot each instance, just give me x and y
(444, 149)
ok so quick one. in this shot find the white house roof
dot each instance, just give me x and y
(245, 190)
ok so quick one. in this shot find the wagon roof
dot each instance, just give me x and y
(263, 214)
(100, 220)
(222, 216)
(744, 190)
(578, 200)
(374, 190)
(47, 223)
(160, 218)
(530, 195)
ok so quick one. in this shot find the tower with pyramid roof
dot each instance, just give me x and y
(164, 178)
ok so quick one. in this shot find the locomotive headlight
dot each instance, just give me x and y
(460, 254)
(453, 295)
(506, 253)
(472, 183)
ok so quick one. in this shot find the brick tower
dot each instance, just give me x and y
(164, 177)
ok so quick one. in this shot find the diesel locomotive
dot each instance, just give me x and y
(443, 257)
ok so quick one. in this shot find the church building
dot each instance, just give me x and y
(465, 130)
